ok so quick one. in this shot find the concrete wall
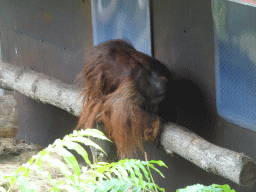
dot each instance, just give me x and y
(50, 37)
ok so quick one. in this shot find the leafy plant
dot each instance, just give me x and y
(211, 188)
(99, 177)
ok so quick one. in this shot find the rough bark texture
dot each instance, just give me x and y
(41, 87)
(234, 166)
(226, 163)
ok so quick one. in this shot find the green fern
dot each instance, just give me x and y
(101, 177)
(203, 188)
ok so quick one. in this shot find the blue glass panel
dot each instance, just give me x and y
(122, 19)
(235, 41)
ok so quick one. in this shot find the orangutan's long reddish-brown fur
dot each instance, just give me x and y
(123, 88)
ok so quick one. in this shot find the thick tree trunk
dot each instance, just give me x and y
(234, 166)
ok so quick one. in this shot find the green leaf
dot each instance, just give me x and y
(43, 152)
(145, 171)
(26, 173)
(102, 169)
(161, 189)
(160, 163)
(57, 163)
(38, 163)
(122, 171)
(108, 175)
(93, 133)
(117, 173)
(69, 158)
(132, 175)
(24, 184)
(79, 149)
(125, 186)
(13, 179)
(21, 169)
(116, 185)
(137, 170)
(87, 142)
(153, 167)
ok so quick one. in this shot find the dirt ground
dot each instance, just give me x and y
(13, 153)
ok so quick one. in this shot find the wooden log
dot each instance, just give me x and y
(234, 166)
(41, 87)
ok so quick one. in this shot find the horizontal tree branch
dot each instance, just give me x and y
(234, 166)
(41, 87)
